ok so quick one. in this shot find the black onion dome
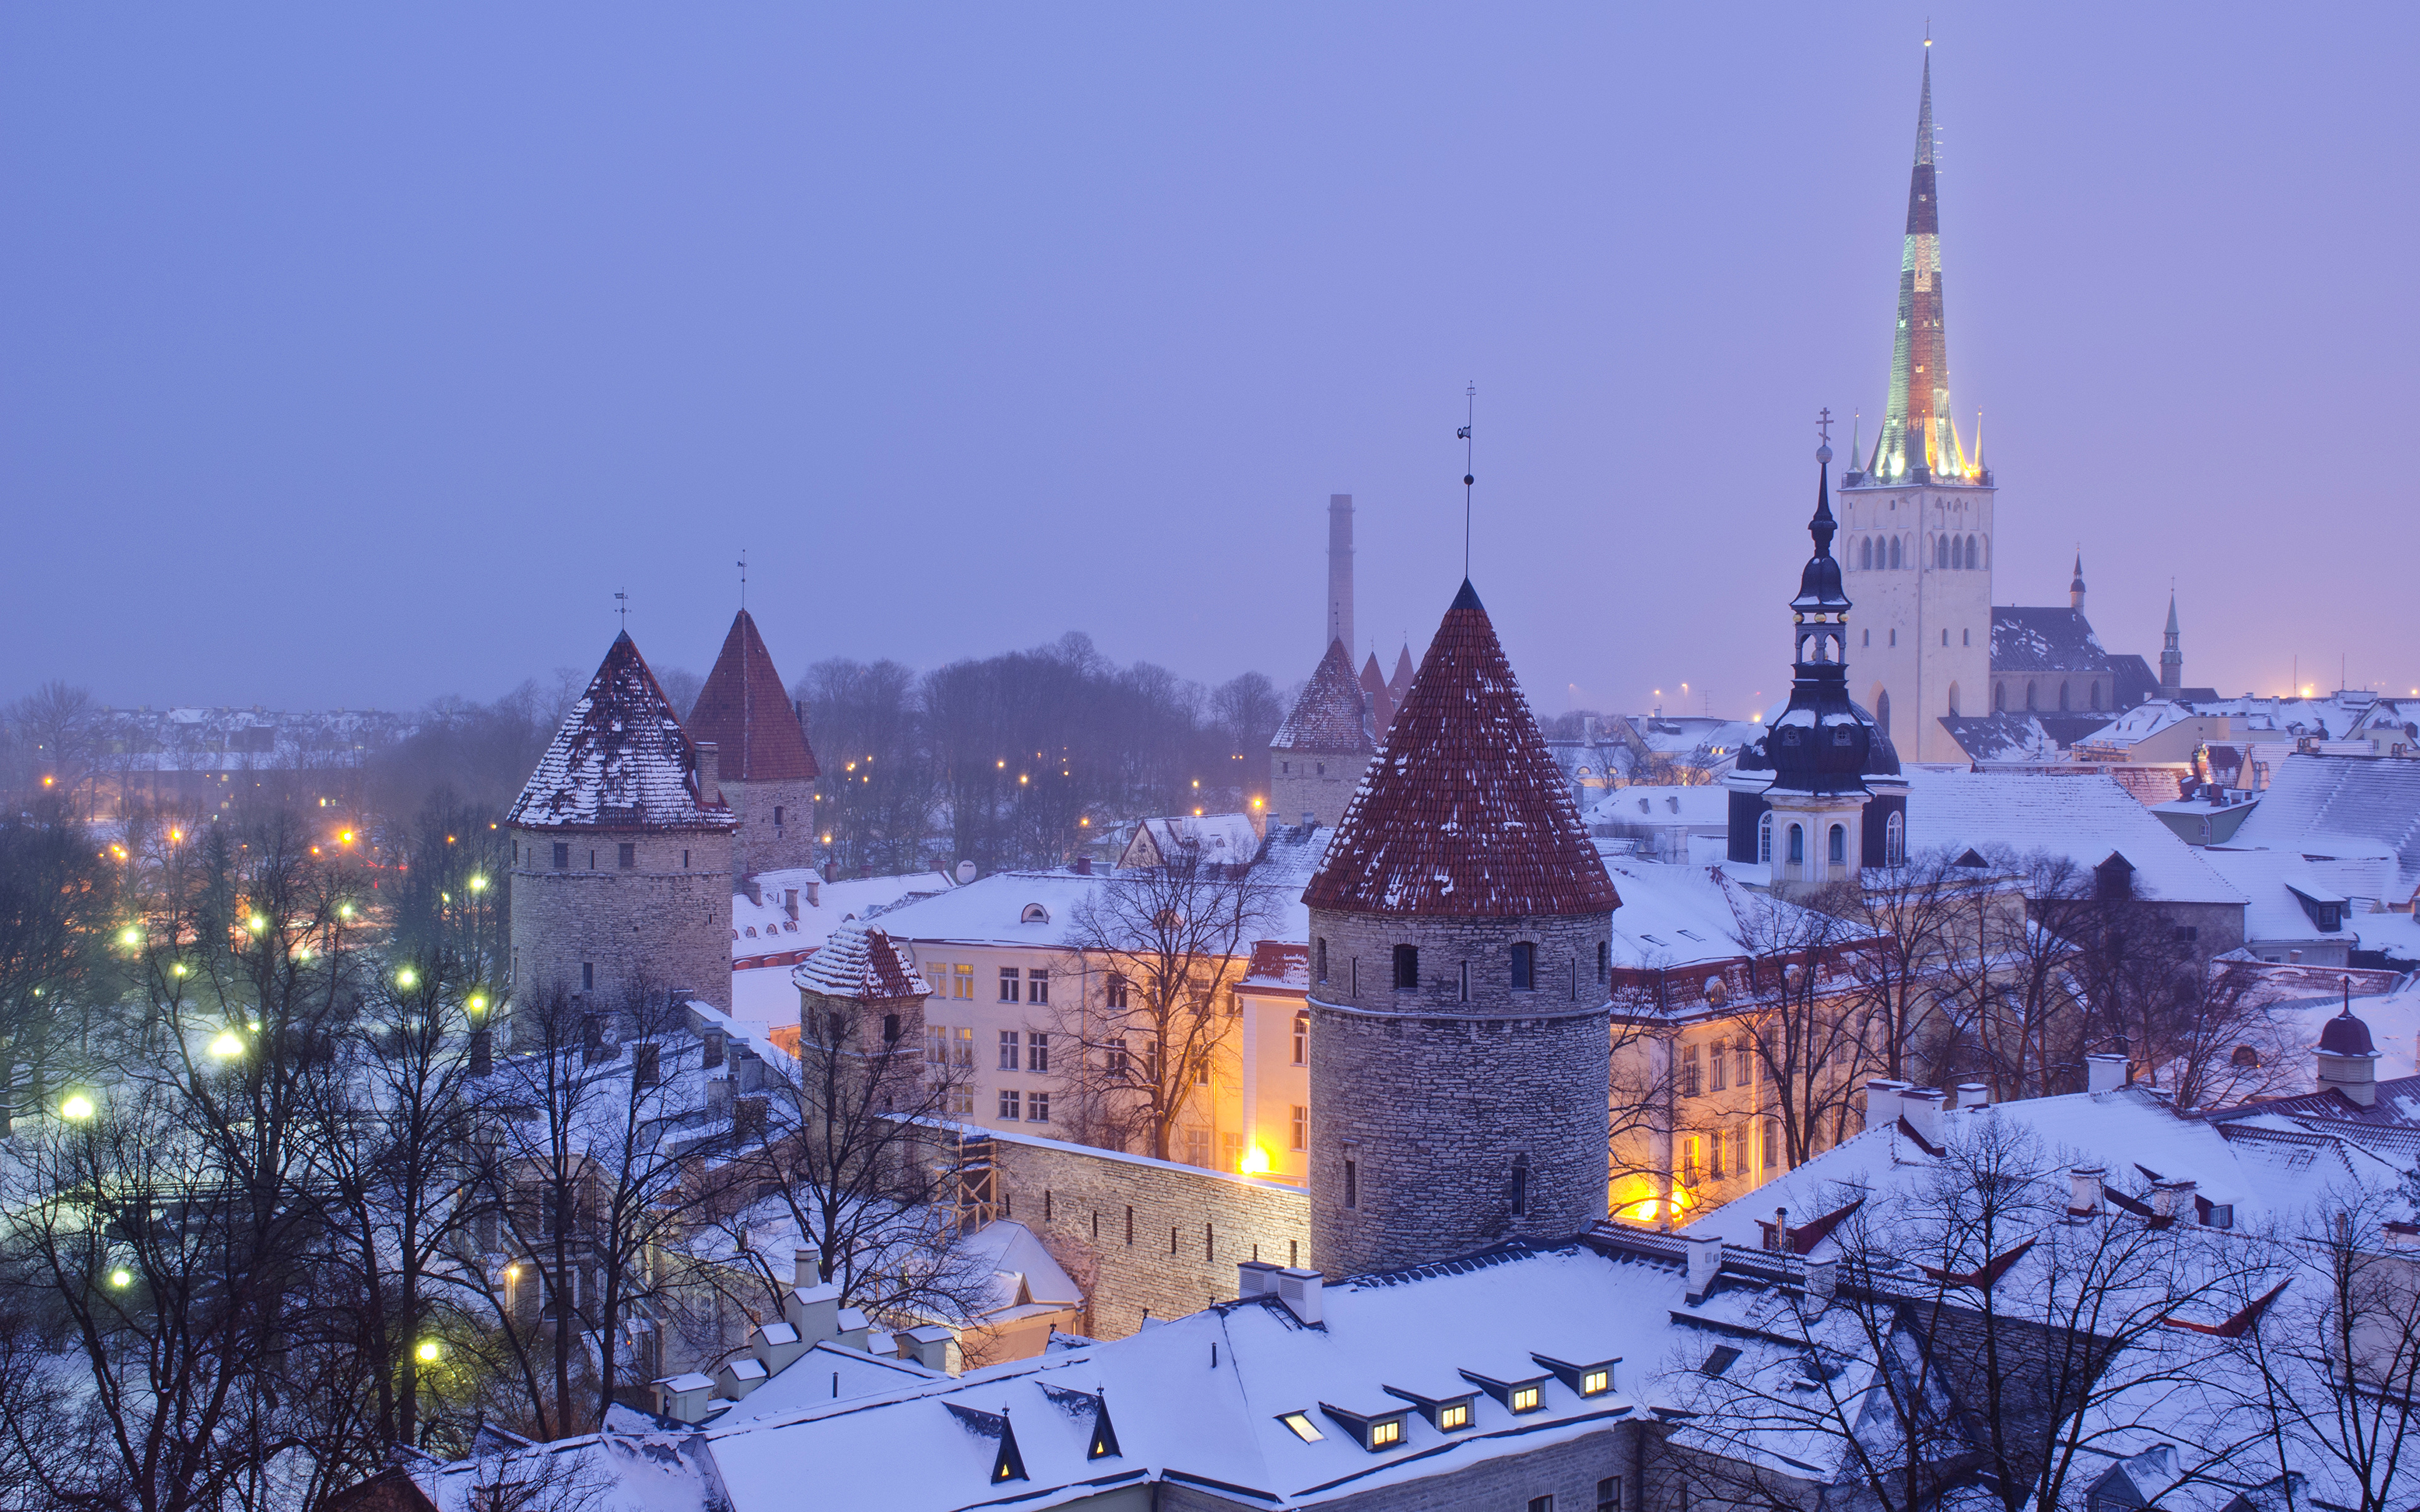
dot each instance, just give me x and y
(2345, 1035)
(1882, 757)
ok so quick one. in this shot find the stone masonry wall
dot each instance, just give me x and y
(1435, 1113)
(760, 845)
(1146, 1236)
(667, 915)
(1566, 976)
(1319, 783)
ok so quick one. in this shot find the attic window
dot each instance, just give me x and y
(1453, 1415)
(1034, 914)
(1722, 1358)
(1303, 1428)
(1524, 1399)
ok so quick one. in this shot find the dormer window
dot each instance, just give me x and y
(1525, 1395)
(1447, 1415)
(1524, 1399)
(1373, 1431)
(1034, 914)
(1585, 1379)
(1303, 1428)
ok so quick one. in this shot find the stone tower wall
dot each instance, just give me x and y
(666, 916)
(1435, 1101)
(1904, 614)
(1312, 783)
(761, 844)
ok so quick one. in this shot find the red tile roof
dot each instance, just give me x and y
(1382, 702)
(745, 711)
(862, 963)
(621, 760)
(1464, 814)
(1333, 713)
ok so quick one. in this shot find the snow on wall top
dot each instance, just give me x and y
(859, 962)
(1464, 814)
(1333, 713)
(745, 711)
(621, 760)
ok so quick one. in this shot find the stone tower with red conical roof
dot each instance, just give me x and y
(766, 767)
(622, 850)
(1317, 756)
(1460, 924)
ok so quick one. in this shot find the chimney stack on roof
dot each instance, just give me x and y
(2084, 1191)
(2104, 1074)
(1705, 1264)
(2173, 1199)
(1823, 1278)
(1882, 1101)
(1921, 1107)
(710, 774)
(1300, 1290)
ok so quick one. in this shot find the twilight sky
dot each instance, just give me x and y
(354, 355)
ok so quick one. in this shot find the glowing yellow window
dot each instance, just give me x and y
(1385, 1431)
(1303, 1428)
(1594, 1382)
(1454, 1415)
(1524, 1398)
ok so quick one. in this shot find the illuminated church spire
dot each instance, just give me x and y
(1917, 430)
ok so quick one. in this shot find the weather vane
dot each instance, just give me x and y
(743, 576)
(1470, 417)
(622, 606)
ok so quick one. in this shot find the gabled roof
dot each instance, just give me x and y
(859, 962)
(2045, 641)
(1333, 713)
(747, 712)
(2313, 802)
(621, 760)
(1464, 814)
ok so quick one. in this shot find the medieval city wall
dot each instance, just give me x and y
(667, 917)
(777, 821)
(1144, 1236)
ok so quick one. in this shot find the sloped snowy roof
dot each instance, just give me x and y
(621, 760)
(1332, 713)
(2276, 882)
(2371, 799)
(1675, 916)
(2001, 737)
(2085, 817)
(744, 710)
(1661, 804)
(859, 961)
(2044, 640)
(1464, 814)
(1031, 908)
(1218, 840)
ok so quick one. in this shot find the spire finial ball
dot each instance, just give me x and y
(1824, 453)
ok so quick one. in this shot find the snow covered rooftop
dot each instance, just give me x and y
(859, 961)
(1464, 813)
(1214, 840)
(2282, 892)
(1332, 713)
(621, 760)
(1031, 908)
(2327, 805)
(2087, 817)
(1701, 803)
(2044, 640)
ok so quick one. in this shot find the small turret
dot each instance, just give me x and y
(2075, 588)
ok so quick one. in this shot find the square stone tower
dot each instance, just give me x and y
(766, 768)
(622, 850)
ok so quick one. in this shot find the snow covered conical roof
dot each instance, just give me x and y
(1464, 814)
(621, 760)
(746, 712)
(859, 962)
(1333, 713)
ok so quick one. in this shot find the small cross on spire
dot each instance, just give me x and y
(622, 606)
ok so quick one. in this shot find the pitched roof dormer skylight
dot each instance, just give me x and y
(1447, 1415)
(1584, 1380)
(1373, 1431)
(1518, 1395)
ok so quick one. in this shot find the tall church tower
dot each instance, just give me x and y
(1916, 518)
(1460, 926)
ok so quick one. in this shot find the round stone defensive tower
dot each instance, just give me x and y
(622, 850)
(1460, 927)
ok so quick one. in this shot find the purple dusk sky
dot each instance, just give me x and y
(354, 355)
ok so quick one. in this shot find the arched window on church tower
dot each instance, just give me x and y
(2096, 695)
(1838, 850)
(1894, 550)
(1953, 700)
(1973, 553)
(2029, 697)
(1764, 838)
(1882, 712)
(2062, 696)
(1797, 845)
(1895, 840)
(1999, 697)
(1866, 552)
(1939, 552)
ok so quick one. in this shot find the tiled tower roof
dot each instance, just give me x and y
(621, 760)
(747, 712)
(1333, 713)
(1400, 683)
(1464, 814)
(1382, 702)
(860, 963)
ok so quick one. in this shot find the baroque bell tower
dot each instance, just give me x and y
(1916, 514)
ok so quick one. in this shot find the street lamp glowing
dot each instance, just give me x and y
(259, 923)
(478, 1003)
(77, 1106)
(478, 884)
(345, 910)
(179, 968)
(121, 1278)
(406, 977)
(226, 1046)
(427, 1351)
(130, 936)
(1256, 1162)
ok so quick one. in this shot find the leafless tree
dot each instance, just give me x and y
(1805, 1022)
(1916, 918)
(59, 731)
(1168, 945)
